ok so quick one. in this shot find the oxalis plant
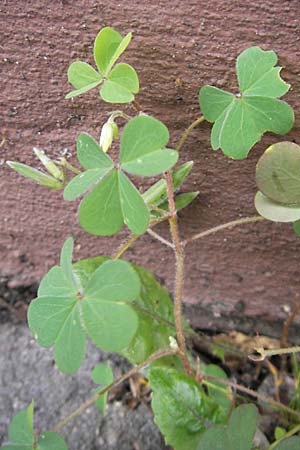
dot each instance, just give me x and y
(122, 307)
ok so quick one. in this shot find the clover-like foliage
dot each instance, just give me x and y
(278, 181)
(240, 120)
(114, 200)
(65, 311)
(120, 82)
(22, 437)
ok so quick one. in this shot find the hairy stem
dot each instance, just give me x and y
(137, 106)
(130, 373)
(125, 246)
(187, 132)
(179, 274)
(160, 238)
(134, 237)
(277, 351)
(213, 230)
(245, 390)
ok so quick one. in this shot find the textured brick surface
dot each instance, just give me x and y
(251, 271)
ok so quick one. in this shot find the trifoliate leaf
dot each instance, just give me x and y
(121, 85)
(83, 77)
(181, 408)
(103, 375)
(108, 47)
(278, 173)
(35, 175)
(143, 149)
(63, 314)
(21, 434)
(275, 211)
(240, 120)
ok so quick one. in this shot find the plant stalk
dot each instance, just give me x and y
(252, 393)
(179, 274)
(187, 132)
(130, 373)
(231, 224)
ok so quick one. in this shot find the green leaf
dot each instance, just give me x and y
(112, 92)
(62, 314)
(181, 408)
(100, 211)
(181, 200)
(220, 393)
(83, 77)
(293, 443)
(121, 84)
(70, 344)
(257, 74)
(134, 209)
(35, 175)
(66, 258)
(108, 47)
(126, 76)
(111, 323)
(241, 120)
(274, 211)
(279, 433)
(90, 155)
(296, 228)
(242, 422)
(20, 430)
(82, 182)
(102, 374)
(96, 163)
(157, 193)
(154, 308)
(215, 438)
(278, 173)
(143, 149)
(51, 441)
(238, 435)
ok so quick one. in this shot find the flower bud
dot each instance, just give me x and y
(107, 135)
(51, 167)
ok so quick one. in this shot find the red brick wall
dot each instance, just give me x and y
(255, 268)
